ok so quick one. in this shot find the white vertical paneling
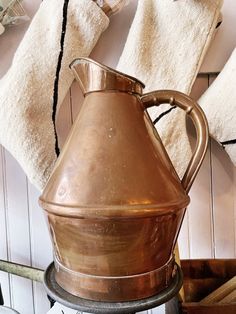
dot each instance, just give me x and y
(200, 214)
(14, 216)
(41, 302)
(185, 245)
(223, 201)
(196, 231)
(183, 239)
(4, 278)
(234, 187)
(19, 233)
(157, 310)
(40, 247)
(200, 208)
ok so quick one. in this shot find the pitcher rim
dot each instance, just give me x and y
(130, 77)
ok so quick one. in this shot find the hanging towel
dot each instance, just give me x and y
(39, 78)
(165, 48)
(219, 105)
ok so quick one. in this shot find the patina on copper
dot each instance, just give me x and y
(114, 203)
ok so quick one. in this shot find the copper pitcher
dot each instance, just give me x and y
(114, 203)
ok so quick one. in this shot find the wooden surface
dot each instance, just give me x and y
(209, 226)
(193, 308)
(209, 286)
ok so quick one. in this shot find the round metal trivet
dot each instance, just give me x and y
(7, 310)
(76, 303)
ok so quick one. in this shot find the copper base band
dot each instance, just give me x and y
(79, 304)
(114, 289)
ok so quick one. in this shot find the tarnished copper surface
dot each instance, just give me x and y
(93, 77)
(114, 247)
(57, 293)
(199, 120)
(125, 288)
(113, 147)
(114, 202)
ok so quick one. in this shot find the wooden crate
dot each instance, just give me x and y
(202, 277)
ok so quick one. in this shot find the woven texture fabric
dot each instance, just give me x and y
(165, 48)
(36, 83)
(219, 105)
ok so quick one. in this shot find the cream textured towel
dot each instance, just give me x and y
(39, 78)
(165, 49)
(219, 105)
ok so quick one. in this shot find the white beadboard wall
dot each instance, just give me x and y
(209, 227)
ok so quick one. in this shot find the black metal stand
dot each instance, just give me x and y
(1, 296)
(56, 293)
(5, 309)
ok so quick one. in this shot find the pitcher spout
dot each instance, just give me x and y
(93, 76)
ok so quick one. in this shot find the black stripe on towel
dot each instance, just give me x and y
(230, 142)
(163, 114)
(218, 24)
(56, 81)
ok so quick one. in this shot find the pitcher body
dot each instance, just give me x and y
(114, 202)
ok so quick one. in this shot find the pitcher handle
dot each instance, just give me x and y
(175, 98)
